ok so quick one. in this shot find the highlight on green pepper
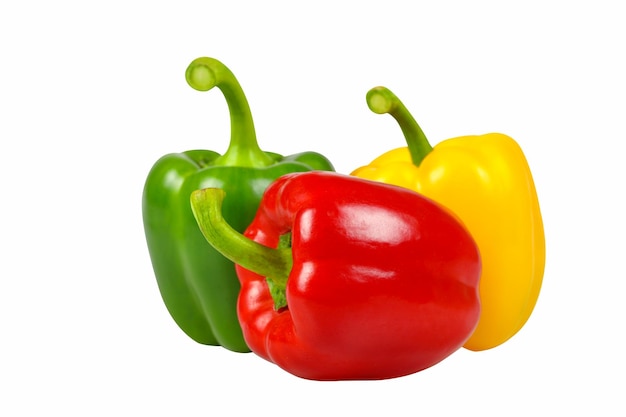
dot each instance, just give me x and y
(199, 286)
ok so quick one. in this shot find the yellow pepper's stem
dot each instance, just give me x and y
(381, 100)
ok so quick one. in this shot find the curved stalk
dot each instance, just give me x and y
(381, 100)
(205, 73)
(274, 264)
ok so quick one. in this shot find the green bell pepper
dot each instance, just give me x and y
(198, 285)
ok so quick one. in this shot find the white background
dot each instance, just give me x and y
(93, 93)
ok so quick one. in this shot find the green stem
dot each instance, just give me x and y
(205, 73)
(274, 264)
(381, 100)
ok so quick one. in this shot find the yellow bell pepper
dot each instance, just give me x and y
(485, 180)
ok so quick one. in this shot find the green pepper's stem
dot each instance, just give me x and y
(205, 73)
(381, 100)
(274, 264)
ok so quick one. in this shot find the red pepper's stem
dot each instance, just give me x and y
(381, 100)
(274, 264)
(205, 73)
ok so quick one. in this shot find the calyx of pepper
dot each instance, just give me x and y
(272, 263)
(381, 100)
(205, 73)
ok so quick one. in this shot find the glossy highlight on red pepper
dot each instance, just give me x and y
(344, 278)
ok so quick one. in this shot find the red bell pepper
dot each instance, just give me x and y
(353, 279)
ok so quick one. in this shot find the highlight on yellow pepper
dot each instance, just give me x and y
(486, 181)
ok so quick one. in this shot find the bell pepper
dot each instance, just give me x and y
(344, 278)
(487, 182)
(198, 285)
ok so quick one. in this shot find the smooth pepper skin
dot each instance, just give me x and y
(487, 182)
(377, 281)
(198, 285)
